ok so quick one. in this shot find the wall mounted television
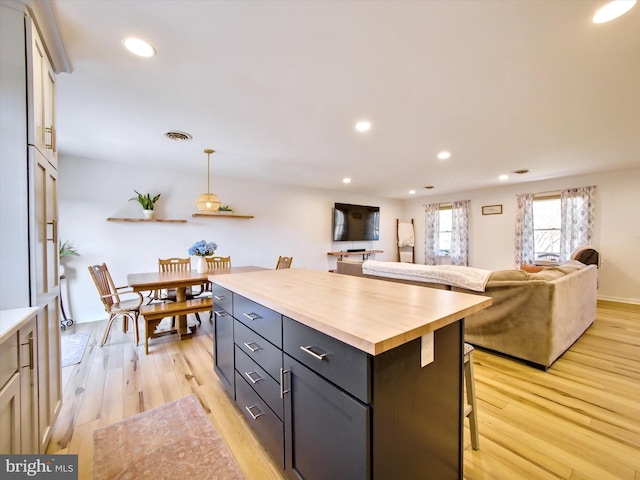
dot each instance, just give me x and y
(352, 223)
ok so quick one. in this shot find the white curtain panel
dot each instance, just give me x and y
(577, 206)
(431, 233)
(460, 233)
(524, 230)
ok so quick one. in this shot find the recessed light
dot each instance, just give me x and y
(504, 177)
(363, 126)
(613, 10)
(139, 47)
(412, 192)
(346, 180)
(444, 155)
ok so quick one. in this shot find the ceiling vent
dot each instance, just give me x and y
(178, 136)
(522, 171)
(429, 187)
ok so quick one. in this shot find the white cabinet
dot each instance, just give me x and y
(46, 287)
(42, 97)
(43, 225)
(29, 222)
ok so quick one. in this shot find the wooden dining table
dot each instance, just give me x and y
(143, 282)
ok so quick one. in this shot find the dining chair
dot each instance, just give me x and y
(217, 263)
(113, 304)
(177, 265)
(284, 262)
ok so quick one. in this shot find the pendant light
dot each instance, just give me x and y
(208, 202)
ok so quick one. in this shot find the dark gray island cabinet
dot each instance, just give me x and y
(334, 374)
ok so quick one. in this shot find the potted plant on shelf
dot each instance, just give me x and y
(147, 203)
(225, 210)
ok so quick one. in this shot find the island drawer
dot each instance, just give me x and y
(222, 298)
(265, 386)
(259, 349)
(267, 426)
(260, 319)
(342, 364)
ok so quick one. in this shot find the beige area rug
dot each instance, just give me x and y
(174, 441)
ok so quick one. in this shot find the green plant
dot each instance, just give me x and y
(67, 250)
(145, 200)
(225, 208)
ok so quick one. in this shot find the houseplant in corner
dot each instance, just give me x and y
(202, 250)
(65, 249)
(147, 203)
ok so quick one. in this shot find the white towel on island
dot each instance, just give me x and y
(405, 234)
(455, 275)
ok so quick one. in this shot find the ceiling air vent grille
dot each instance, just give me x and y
(178, 136)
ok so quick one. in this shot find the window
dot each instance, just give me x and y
(546, 228)
(446, 225)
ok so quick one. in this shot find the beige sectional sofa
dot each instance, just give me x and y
(535, 317)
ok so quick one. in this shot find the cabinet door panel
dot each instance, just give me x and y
(28, 388)
(223, 349)
(10, 416)
(320, 414)
(263, 421)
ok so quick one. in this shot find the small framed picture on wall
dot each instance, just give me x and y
(492, 210)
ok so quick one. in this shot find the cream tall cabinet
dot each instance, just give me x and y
(45, 284)
(29, 213)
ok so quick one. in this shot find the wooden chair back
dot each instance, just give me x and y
(104, 283)
(174, 264)
(284, 262)
(215, 263)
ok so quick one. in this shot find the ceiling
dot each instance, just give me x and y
(276, 87)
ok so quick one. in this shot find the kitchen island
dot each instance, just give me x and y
(345, 377)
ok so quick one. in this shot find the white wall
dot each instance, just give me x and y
(288, 221)
(616, 229)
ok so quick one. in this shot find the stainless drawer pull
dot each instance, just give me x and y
(308, 350)
(220, 313)
(252, 316)
(255, 417)
(220, 297)
(248, 345)
(256, 380)
(282, 390)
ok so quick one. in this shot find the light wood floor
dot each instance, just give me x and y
(578, 420)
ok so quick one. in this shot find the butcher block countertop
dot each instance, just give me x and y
(371, 315)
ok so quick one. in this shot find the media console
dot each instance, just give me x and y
(365, 253)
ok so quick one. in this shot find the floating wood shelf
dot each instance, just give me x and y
(113, 219)
(220, 215)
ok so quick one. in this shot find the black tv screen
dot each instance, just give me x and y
(352, 223)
